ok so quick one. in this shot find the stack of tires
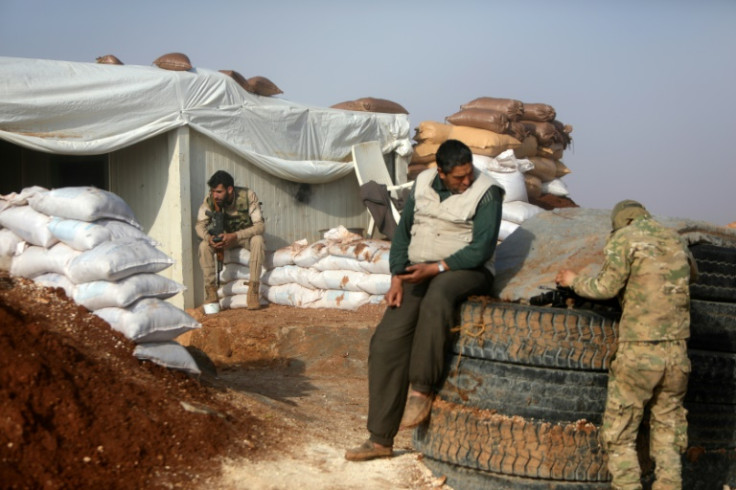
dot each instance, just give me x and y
(523, 400)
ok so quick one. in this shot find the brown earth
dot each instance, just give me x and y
(282, 394)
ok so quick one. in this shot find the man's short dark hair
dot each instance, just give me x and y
(451, 154)
(221, 177)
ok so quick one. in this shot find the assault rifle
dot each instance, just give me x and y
(217, 229)
(561, 297)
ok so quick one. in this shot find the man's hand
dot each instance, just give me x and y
(420, 272)
(396, 292)
(229, 240)
(565, 278)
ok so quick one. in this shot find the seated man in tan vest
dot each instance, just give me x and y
(441, 253)
(243, 226)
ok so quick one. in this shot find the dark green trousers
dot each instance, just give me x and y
(409, 345)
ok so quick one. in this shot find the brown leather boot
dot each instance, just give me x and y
(254, 295)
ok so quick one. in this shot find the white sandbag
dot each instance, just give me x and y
(54, 280)
(291, 295)
(121, 230)
(148, 320)
(341, 234)
(334, 263)
(80, 235)
(360, 250)
(342, 300)
(338, 279)
(103, 294)
(506, 229)
(28, 224)
(311, 254)
(519, 211)
(168, 354)
(555, 187)
(233, 288)
(114, 260)
(21, 198)
(36, 260)
(8, 242)
(235, 271)
(289, 274)
(285, 255)
(84, 204)
(239, 301)
(376, 284)
(236, 255)
(378, 264)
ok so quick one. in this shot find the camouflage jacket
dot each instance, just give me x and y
(649, 267)
(242, 216)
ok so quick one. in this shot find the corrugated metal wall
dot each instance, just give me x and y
(292, 211)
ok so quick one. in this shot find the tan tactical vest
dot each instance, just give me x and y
(442, 228)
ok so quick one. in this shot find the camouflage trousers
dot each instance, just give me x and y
(254, 244)
(653, 374)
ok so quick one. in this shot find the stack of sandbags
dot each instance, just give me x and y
(342, 271)
(490, 126)
(88, 242)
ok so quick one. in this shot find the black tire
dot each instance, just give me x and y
(710, 292)
(708, 469)
(554, 395)
(716, 267)
(484, 440)
(706, 251)
(713, 377)
(712, 326)
(536, 336)
(711, 426)
(462, 478)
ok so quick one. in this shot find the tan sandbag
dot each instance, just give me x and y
(731, 225)
(424, 149)
(553, 151)
(415, 169)
(174, 61)
(545, 132)
(539, 112)
(109, 59)
(372, 104)
(495, 121)
(421, 159)
(544, 168)
(514, 109)
(240, 79)
(263, 86)
(432, 132)
(562, 169)
(488, 142)
(528, 148)
(533, 186)
(517, 130)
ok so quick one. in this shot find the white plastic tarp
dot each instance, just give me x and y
(89, 108)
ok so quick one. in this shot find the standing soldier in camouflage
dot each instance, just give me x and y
(244, 227)
(651, 267)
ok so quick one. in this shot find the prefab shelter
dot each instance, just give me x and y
(155, 136)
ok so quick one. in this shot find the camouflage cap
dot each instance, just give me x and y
(625, 211)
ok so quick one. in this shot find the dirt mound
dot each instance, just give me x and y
(79, 411)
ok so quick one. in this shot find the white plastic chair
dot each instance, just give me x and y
(370, 165)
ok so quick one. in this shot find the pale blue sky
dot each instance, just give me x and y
(648, 86)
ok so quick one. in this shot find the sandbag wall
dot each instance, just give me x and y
(513, 142)
(88, 242)
(342, 271)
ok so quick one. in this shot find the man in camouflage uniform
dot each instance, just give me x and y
(244, 227)
(651, 267)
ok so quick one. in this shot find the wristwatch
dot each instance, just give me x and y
(441, 266)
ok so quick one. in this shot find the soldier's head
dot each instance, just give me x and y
(455, 166)
(625, 212)
(222, 186)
